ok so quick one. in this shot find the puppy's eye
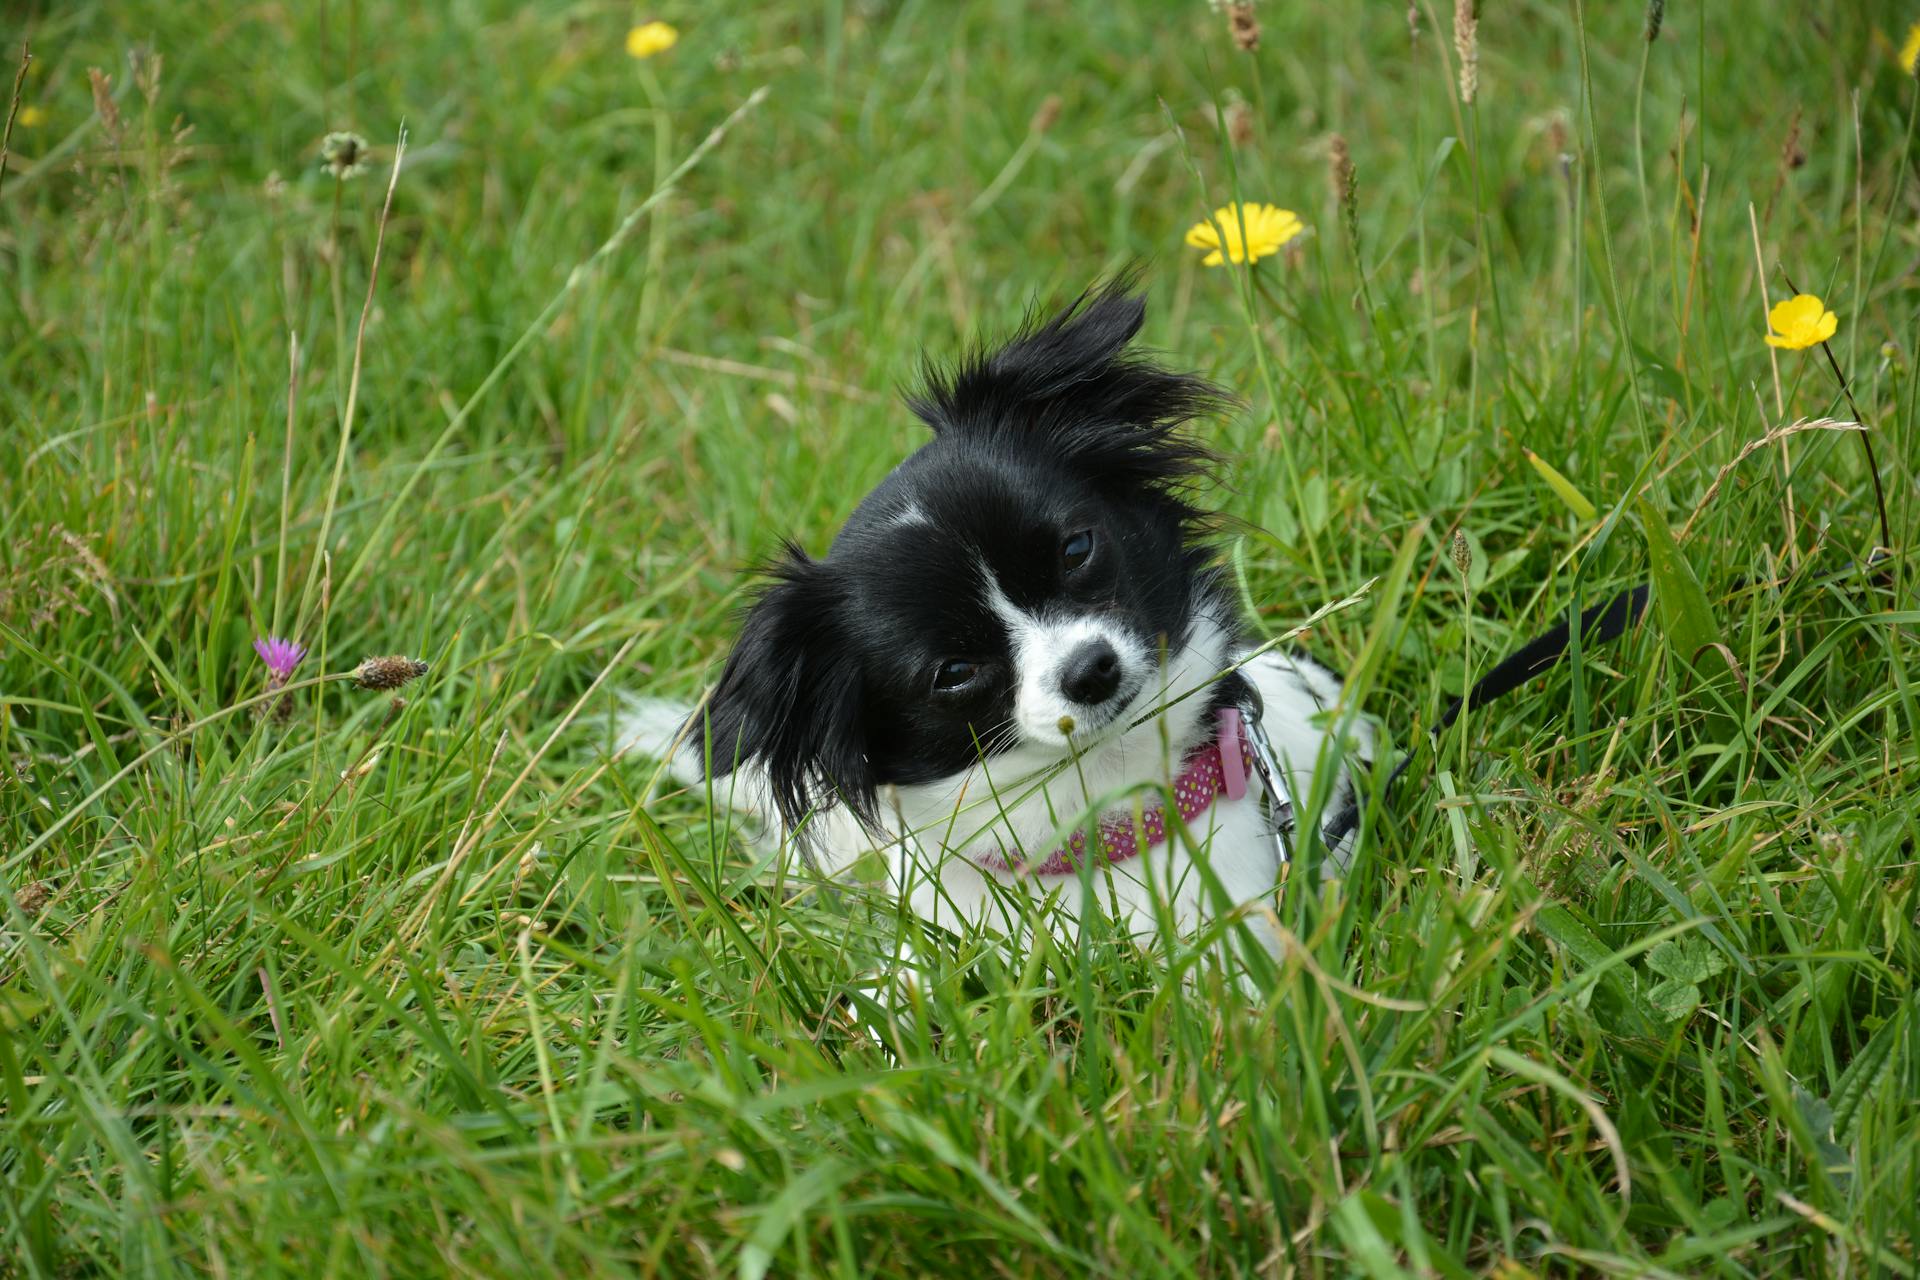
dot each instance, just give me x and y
(955, 674)
(1076, 550)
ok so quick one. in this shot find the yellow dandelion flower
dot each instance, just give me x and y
(650, 38)
(32, 117)
(1267, 229)
(1800, 322)
(1910, 51)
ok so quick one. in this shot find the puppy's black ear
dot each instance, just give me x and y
(789, 697)
(1070, 383)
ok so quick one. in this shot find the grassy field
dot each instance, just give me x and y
(322, 981)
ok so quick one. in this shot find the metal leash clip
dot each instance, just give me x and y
(1265, 763)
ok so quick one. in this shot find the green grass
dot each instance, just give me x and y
(1623, 984)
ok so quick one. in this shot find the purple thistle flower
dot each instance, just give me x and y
(281, 657)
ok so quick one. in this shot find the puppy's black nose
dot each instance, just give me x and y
(1092, 673)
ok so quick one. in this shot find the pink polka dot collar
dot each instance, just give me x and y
(1221, 767)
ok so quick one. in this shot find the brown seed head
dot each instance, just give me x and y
(1462, 553)
(104, 105)
(33, 896)
(1341, 177)
(1339, 167)
(388, 673)
(1244, 26)
(1557, 137)
(1045, 116)
(1656, 14)
(1239, 123)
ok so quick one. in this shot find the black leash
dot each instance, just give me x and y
(1601, 623)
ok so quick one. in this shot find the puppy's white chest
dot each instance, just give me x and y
(1221, 859)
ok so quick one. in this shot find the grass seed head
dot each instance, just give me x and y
(32, 896)
(1345, 183)
(1792, 154)
(390, 672)
(1466, 43)
(1239, 122)
(343, 154)
(1656, 14)
(1046, 115)
(1244, 26)
(103, 104)
(146, 66)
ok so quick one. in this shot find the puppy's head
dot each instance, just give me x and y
(1014, 583)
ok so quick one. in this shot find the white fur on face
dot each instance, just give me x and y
(1042, 646)
(1020, 798)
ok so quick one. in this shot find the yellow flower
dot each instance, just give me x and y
(650, 38)
(31, 117)
(1800, 322)
(1910, 50)
(1267, 228)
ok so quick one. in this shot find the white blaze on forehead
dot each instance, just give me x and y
(1040, 644)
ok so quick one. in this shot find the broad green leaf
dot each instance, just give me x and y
(18, 1009)
(1314, 506)
(1503, 564)
(1685, 960)
(1660, 374)
(1684, 613)
(1816, 1113)
(1575, 500)
(1386, 617)
(1568, 931)
(869, 868)
(1674, 999)
(1721, 1212)
(1869, 1067)
(1668, 961)
(788, 1211)
(1391, 1221)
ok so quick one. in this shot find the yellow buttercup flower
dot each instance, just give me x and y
(31, 117)
(1267, 229)
(1800, 322)
(650, 38)
(1910, 51)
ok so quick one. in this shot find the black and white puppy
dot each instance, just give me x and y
(1019, 640)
